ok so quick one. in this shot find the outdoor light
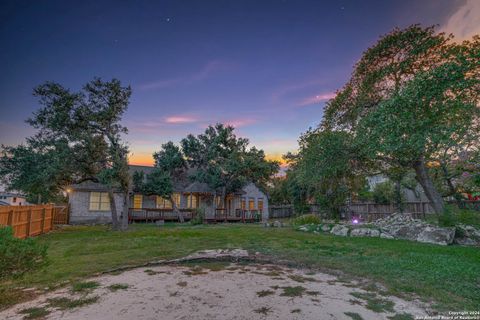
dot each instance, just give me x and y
(355, 221)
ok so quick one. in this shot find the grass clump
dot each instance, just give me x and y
(64, 303)
(306, 219)
(263, 310)
(375, 303)
(118, 286)
(35, 313)
(18, 256)
(296, 311)
(353, 315)
(297, 291)
(302, 279)
(85, 286)
(264, 293)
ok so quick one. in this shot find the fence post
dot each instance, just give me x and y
(29, 222)
(43, 221)
(10, 218)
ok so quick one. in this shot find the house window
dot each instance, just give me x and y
(99, 201)
(137, 201)
(218, 202)
(192, 201)
(14, 199)
(243, 204)
(251, 204)
(260, 204)
(163, 203)
(176, 199)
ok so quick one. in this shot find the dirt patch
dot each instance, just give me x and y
(215, 291)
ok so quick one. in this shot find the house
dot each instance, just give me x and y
(12, 199)
(89, 202)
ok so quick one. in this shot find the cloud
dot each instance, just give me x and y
(241, 122)
(180, 119)
(208, 69)
(289, 89)
(317, 99)
(464, 23)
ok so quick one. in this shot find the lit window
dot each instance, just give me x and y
(176, 199)
(260, 204)
(251, 204)
(137, 201)
(163, 203)
(218, 202)
(192, 201)
(243, 204)
(99, 201)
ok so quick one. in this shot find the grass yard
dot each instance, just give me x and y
(448, 277)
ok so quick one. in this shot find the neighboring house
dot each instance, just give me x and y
(89, 202)
(410, 195)
(12, 199)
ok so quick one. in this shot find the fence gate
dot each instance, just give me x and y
(61, 215)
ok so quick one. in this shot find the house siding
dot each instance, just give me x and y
(252, 191)
(79, 202)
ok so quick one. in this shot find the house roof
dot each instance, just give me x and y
(11, 194)
(198, 187)
(3, 203)
(89, 185)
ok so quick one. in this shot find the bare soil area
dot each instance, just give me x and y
(215, 290)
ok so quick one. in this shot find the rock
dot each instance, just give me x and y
(325, 228)
(435, 235)
(384, 235)
(467, 235)
(216, 254)
(365, 232)
(303, 228)
(339, 230)
(277, 224)
(266, 224)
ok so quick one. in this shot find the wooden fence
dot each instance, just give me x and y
(283, 211)
(61, 215)
(27, 221)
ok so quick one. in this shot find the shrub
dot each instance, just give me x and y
(384, 192)
(18, 256)
(199, 216)
(307, 219)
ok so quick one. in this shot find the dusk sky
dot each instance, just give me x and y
(266, 67)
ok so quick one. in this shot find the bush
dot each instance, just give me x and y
(307, 219)
(453, 216)
(19, 256)
(384, 192)
(199, 216)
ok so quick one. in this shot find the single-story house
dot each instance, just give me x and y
(89, 202)
(12, 199)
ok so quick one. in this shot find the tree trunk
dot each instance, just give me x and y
(113, 209)
(426, 182)
(398, 196)
(451, 187)
(126, 202)
(177, 211)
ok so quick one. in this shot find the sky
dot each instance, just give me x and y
(265, 67)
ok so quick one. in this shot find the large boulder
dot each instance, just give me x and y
(340, 230)
(467, 235)
(403, 226)
(436, 235)
(365, 232)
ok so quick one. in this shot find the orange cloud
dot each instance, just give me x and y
(317, 99)
(180, 119)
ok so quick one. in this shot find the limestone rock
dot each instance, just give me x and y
(365, 232)
(340, 230)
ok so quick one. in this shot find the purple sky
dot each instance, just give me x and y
(266, 67)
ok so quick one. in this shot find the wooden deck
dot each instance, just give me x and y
(153, 214)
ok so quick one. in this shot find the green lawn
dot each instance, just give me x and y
(447, 276)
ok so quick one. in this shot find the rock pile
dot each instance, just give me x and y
(402, 226)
